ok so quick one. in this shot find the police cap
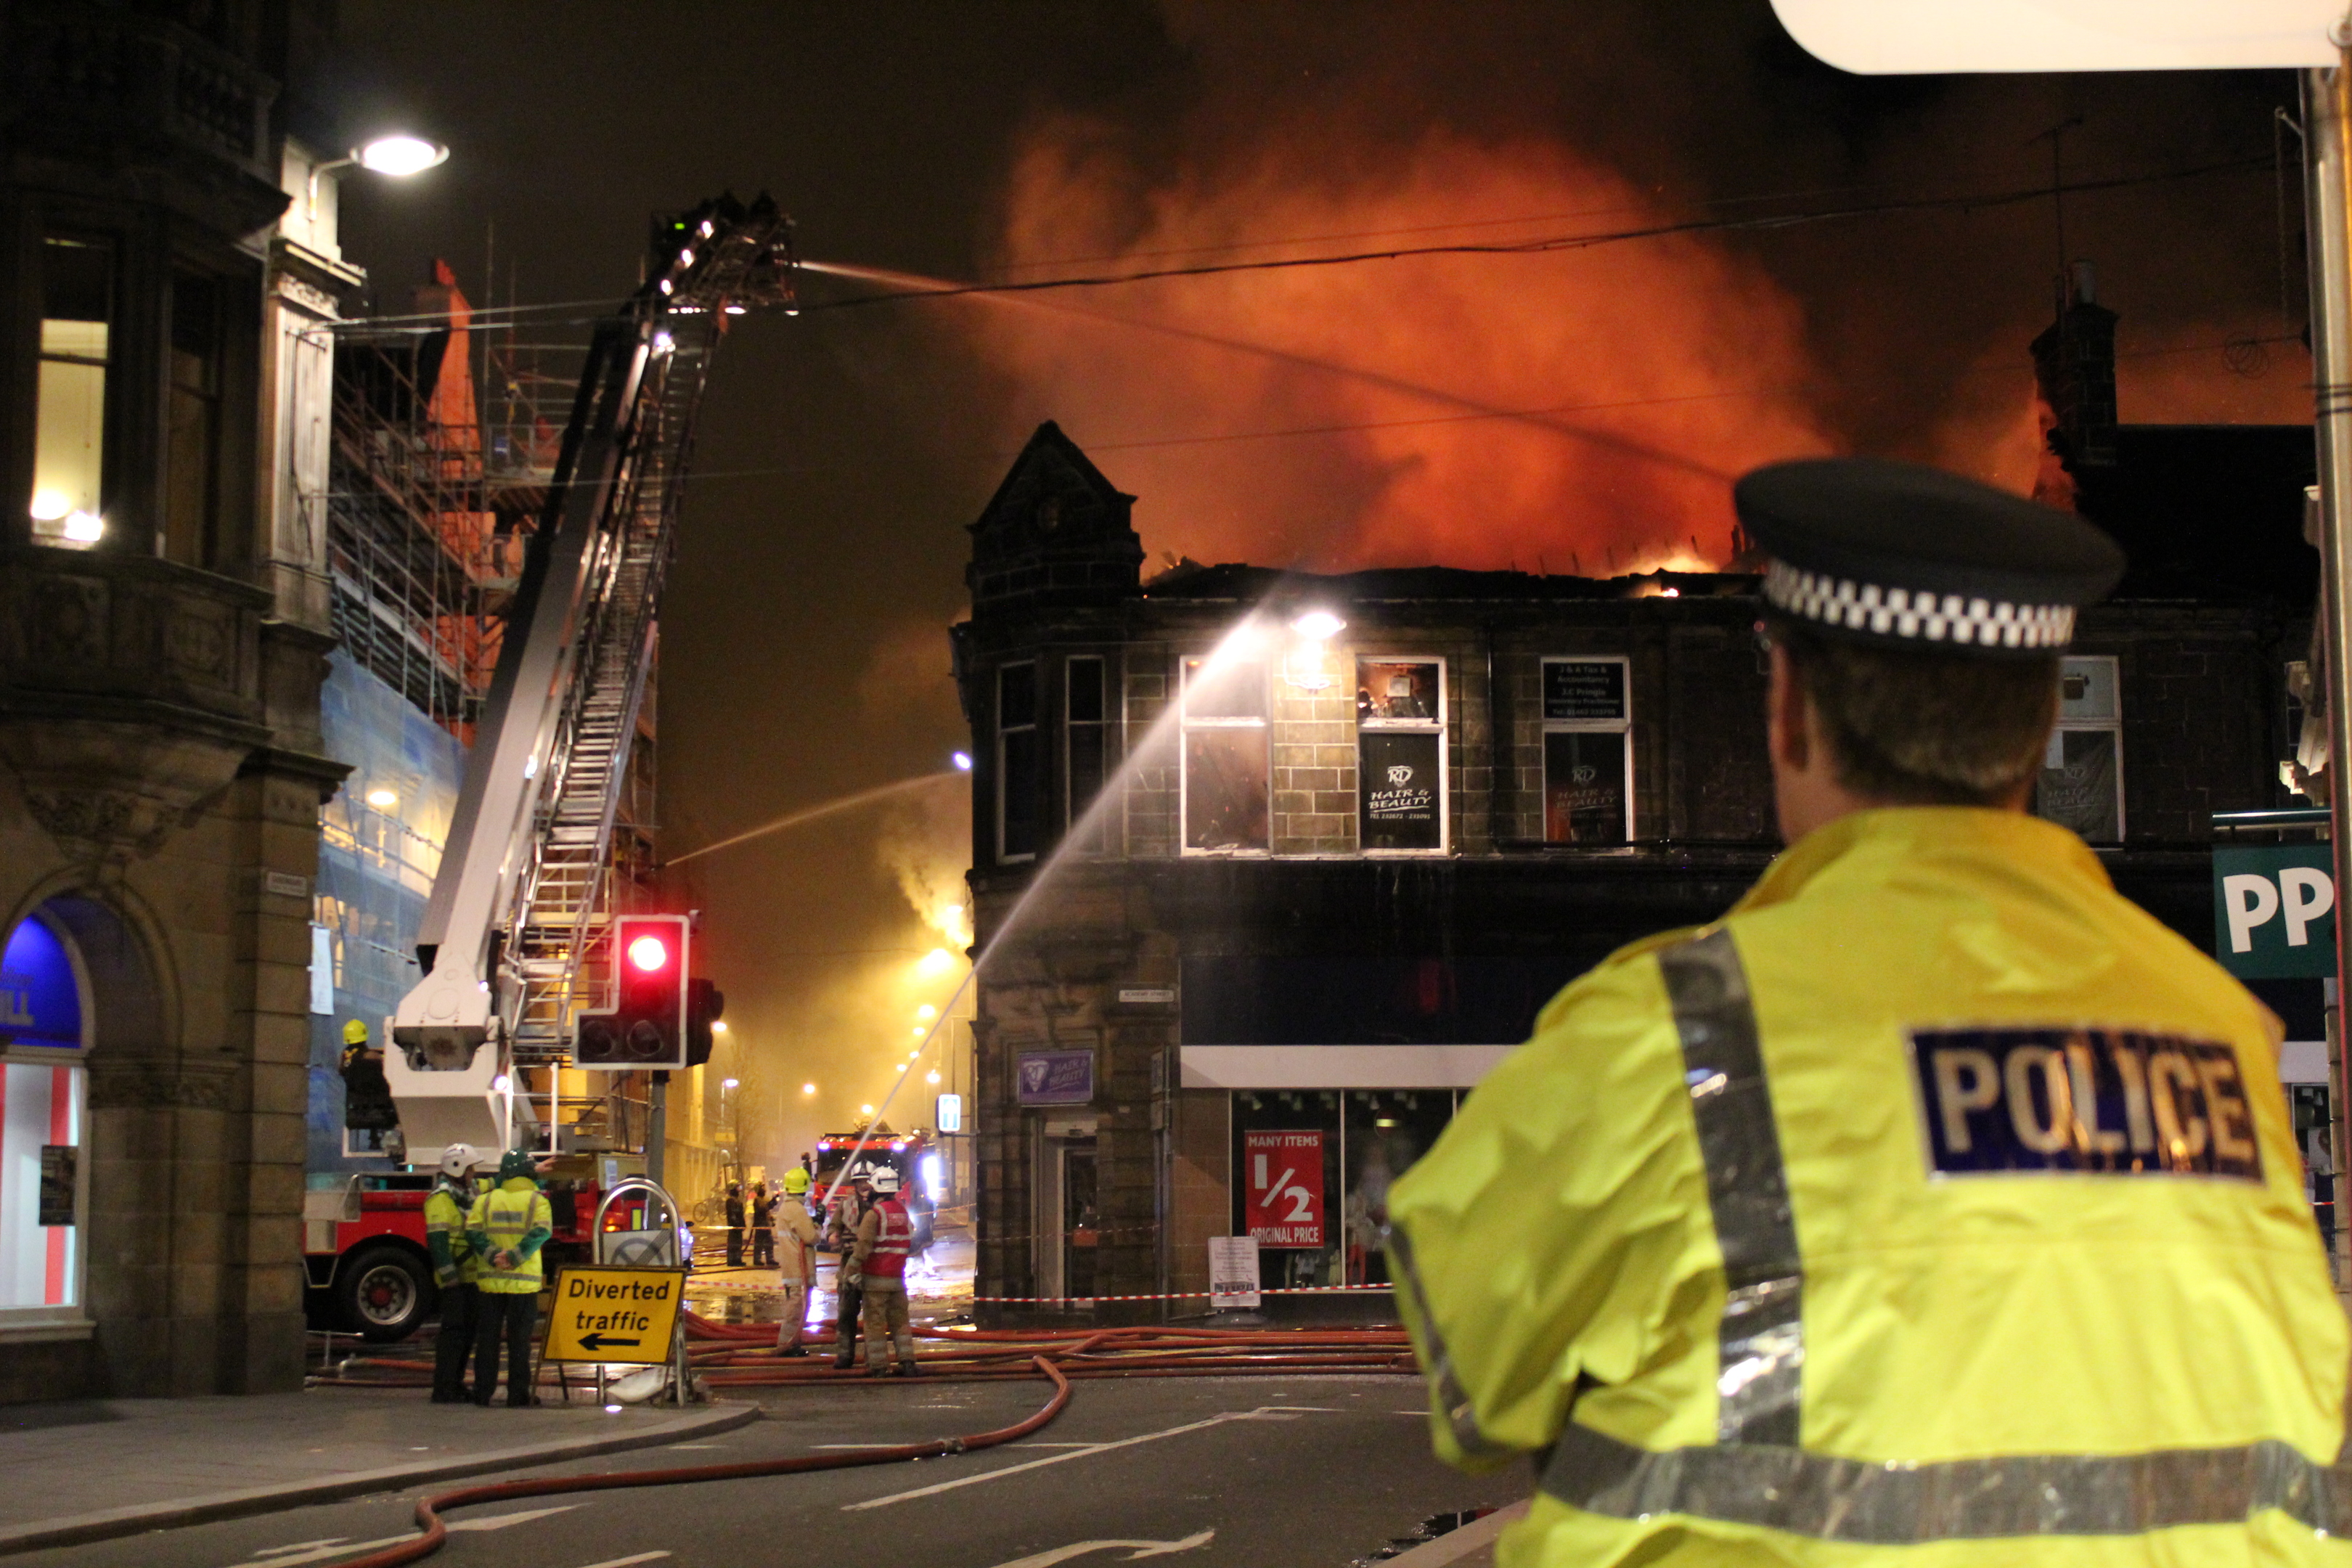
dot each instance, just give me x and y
(1908, 556)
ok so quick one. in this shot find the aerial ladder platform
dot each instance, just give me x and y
(512, 941)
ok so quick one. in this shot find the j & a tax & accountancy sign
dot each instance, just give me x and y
(2274, 911)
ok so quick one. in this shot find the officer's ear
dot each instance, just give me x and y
(1788, 719)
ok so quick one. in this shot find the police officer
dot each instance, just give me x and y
(508, 1226)
(457, 1269)
(885, 1235)
(1935, 1198)
(763, 1228)
(734, 1225)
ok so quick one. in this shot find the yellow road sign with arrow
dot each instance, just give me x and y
(615, 1315)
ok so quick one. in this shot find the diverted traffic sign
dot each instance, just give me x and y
(2274, 911)
(615, 1315)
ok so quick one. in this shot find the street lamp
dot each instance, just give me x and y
(395, 156)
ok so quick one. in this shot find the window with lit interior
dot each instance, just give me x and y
(69, 401)
(1401, 754)
(2080, 784)
(1225, 765)
(1588, 752)
(42, 1182)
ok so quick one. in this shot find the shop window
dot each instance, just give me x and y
(1087, 747)
(70, 420)
(192, 460)
(1401, 753)
(41, 1117)
(1225, 758)
(2081, 785)
(1382, 1132)
(1588, 723)
(1017, 771)
(1311, 1174)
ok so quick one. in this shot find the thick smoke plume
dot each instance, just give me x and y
(1568, 411)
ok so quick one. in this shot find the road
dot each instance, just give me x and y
(1245, 1472)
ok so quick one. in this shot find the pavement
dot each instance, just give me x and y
(87, 1470)
(1267, 1471)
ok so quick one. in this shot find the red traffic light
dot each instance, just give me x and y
(649, 952)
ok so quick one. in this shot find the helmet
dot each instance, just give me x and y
(796, 1181)
(355, 1032)
(458, 1159)
(860, 1174)
(516, 1162)
(886, 1181)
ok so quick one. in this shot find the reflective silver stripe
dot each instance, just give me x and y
(1786, 1488)
(1760, 1377)
(1450, 1394)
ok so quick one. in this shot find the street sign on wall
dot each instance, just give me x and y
(2274, 911)
(1283, 1186)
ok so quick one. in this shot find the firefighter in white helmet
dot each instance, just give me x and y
(456, 1269)
(885, 1235)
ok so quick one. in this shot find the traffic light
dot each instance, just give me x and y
(704, 1003)
(647, 1024)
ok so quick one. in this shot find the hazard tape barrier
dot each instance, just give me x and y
(1193, 1295)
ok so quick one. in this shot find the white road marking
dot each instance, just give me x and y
(1265, 1413)
(301, 1546)
(1147, 1549)
(287, 1556)
(697, 1445)
(500, 1520)
(625, 1561)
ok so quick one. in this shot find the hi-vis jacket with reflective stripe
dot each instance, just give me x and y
(1937, 1205)
(455, 1262)
(513, 1217)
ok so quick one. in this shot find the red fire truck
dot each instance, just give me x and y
(365, 1261)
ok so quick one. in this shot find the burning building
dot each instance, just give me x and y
(1270, 869)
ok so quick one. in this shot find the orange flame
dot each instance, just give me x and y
(1581, 410)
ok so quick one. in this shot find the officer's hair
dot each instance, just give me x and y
(1922, 728)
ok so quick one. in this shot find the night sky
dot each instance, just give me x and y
(1576, 409)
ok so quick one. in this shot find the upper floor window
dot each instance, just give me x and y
(1226, 765)
(1588, 720)
(69, 417)
(1017, 770)
(1087, 752)
(1401, 753)
(192, 463)
(2081, 785)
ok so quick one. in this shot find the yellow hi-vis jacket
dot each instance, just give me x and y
(455, 1262)
(1938, 1206)
(513, 1217)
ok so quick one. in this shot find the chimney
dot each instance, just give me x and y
(2074, 366)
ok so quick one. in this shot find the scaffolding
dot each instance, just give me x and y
(445, 432)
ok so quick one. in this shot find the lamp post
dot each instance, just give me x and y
(395, 156)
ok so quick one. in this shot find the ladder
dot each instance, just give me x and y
(652, 366)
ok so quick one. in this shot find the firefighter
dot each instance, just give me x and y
(849, 1299)
(456, 1267)
(885, 1235)
(367, 1095)
(508, 1226)
(1936, 1199)
(798, 1266)
(734, 1225)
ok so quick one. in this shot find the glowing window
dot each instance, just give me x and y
(2081, 785)
(69, 422)
(1226, 764)
(1401, 753)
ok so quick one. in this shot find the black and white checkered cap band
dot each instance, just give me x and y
(1927, 617)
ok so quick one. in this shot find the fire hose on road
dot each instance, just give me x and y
(731, 1355)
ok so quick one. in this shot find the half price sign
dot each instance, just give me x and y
(1284, 1184)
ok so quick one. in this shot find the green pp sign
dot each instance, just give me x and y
(2274, 911)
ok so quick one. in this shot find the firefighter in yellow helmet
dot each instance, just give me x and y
(795, 1262)
(508, 1225)
(1935, 1206)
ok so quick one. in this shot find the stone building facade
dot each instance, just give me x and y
(1276, 864)
(162, 637)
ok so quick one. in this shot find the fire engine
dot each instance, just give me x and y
(514, 940)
